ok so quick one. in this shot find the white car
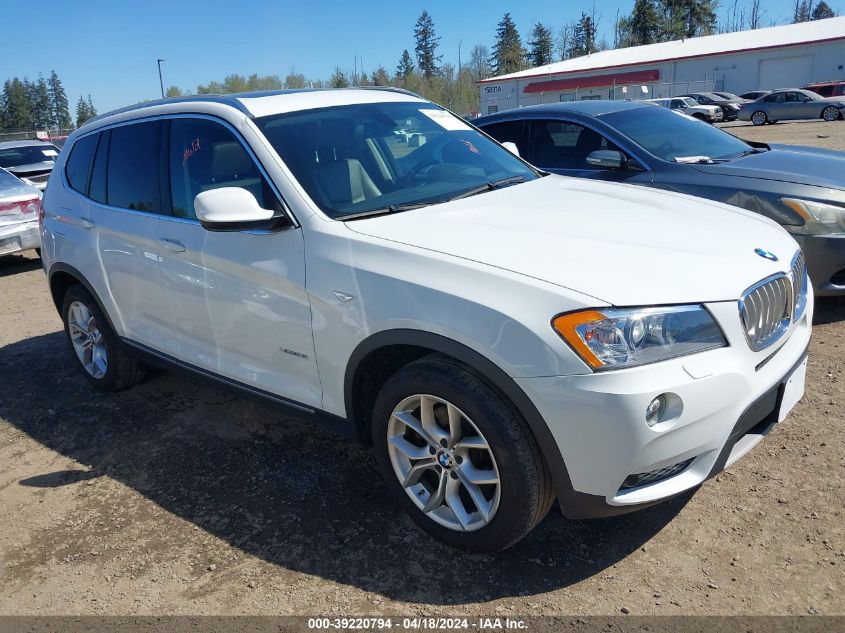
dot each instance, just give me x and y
(20, 205)
(690, 107)
(502, 337)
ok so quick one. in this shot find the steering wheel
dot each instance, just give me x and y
(416, 171)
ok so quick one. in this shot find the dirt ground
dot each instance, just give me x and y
(179, 498)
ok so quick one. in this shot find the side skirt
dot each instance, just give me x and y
(336, 424)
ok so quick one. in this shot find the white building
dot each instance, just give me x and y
(787, 56)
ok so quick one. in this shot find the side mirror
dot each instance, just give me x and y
(511, 147)
(230, 209)
(606, 158)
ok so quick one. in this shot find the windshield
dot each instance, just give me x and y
(27, 155)
(670, 135)
(365, 157)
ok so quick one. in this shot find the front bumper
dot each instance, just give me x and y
(725, 402)
(20, 236)
(825, 257)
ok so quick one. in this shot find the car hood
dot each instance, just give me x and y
(622, 244)
(799, 165)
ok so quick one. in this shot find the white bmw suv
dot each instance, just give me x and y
(503, 337)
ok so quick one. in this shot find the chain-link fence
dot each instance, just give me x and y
(33, 135)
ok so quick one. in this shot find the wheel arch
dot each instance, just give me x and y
(63, 276)
(380, 355)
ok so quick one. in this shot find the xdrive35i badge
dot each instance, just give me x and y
(766, 254)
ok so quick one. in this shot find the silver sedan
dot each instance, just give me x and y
(20, 206)
(782, 105)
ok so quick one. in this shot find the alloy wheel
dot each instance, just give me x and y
(443, 462)
(87, 340)
(830, 113)
(758, 118)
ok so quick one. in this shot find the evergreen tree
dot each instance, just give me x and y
(583, 37)
(405, 67)
(426, 46)
(338, 79)
(172, 91)
(91, 109)
(16, 112)
(687, 18)
(40, 105)
(58, 102)
(380, 77)
(82, 114)
(542, 47)
(508, 52)
(643, 26)
(801, 11)
(822, 11)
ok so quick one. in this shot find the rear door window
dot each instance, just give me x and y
(508, 132)
(78, 168)
(134, 167)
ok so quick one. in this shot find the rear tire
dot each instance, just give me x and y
(97, 350)
(759, 118)
(471, 443)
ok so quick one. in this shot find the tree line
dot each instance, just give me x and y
(40, 105)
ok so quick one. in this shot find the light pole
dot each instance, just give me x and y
(160, 82)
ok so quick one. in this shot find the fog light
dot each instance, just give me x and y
(655, 409)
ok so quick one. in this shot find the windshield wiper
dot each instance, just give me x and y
(489, 186)
(393, 208)
(752, 150)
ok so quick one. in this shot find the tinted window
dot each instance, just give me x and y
(507, 132)
(78, 166)
(28, 155)
(205, 155)
(359, 158)
(669, 136)
(97, 189)
(565, 145)
(134, 165)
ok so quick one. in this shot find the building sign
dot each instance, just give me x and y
(493, 90)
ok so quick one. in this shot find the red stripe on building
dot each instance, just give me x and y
(618, 79)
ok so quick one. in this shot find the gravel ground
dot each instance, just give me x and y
(179, 498)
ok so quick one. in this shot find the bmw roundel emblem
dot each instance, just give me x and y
(766, 254)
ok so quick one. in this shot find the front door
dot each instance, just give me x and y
(237, 300)
(562, 147)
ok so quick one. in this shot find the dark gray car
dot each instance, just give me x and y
(801, 188)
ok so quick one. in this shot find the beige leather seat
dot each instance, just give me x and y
(344, 182)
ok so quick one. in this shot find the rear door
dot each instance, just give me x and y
(126, 197)
(562, 146)
(236, 299)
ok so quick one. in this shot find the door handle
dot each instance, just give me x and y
(174, 246)
(86, 223)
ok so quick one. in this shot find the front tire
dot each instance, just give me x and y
(759, 118)
(98, 352)
(830, 113)
(457, 458)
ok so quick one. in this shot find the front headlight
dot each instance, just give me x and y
(613, 338)
(829, 215)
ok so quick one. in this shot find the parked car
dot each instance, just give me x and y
(31, 161)
(503, 337)
(729, 96)
(20, 205)
(754, 94)
(783, 105)
(827, 88)
(799, 187)
(730, 107)
(690, 107)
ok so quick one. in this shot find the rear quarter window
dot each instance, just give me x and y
(78, 168)
(134, 167)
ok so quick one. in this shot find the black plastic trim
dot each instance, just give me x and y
(73, 272)
(334, 423)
